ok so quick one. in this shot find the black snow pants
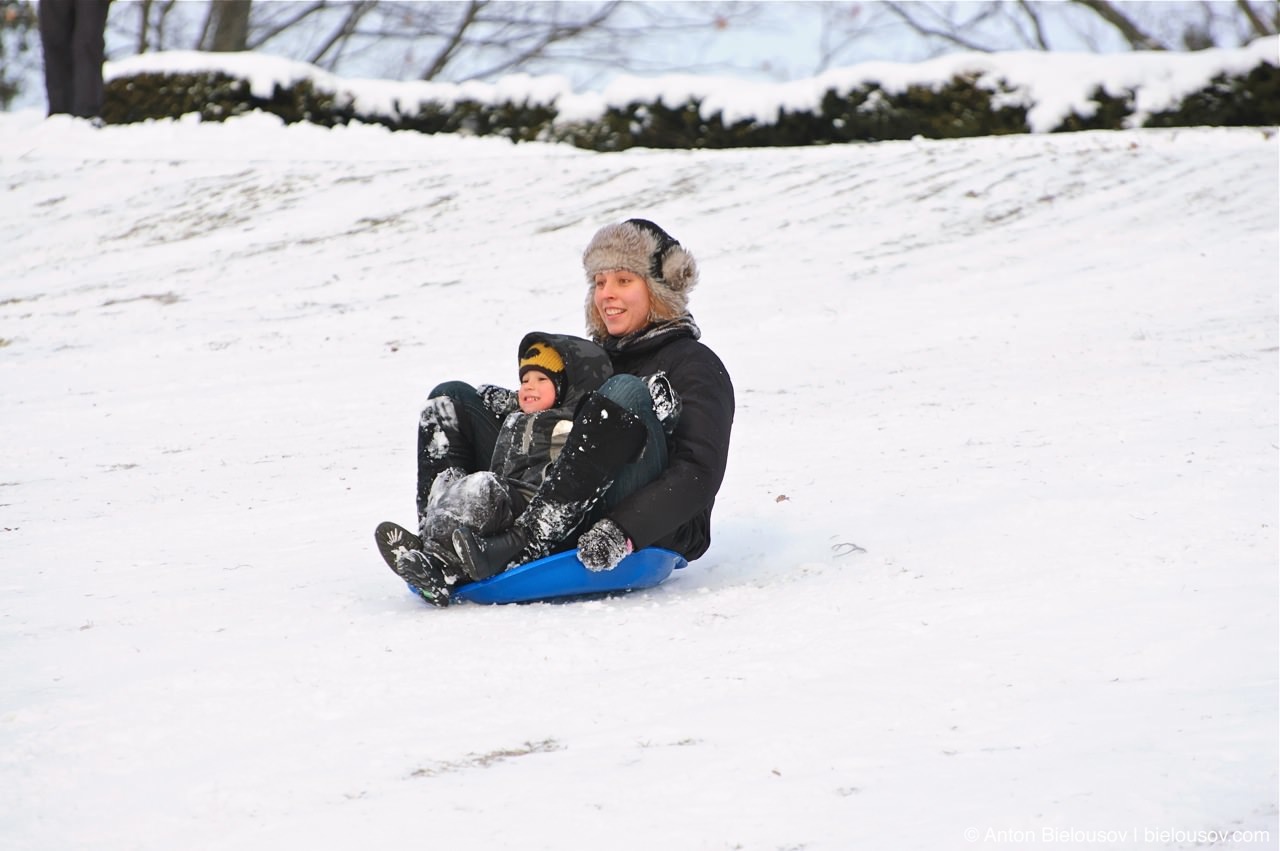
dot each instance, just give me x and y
(72, 34)
(454, 430)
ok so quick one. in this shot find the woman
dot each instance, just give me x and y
(658, 488)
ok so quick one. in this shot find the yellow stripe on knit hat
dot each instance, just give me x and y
(543, 357)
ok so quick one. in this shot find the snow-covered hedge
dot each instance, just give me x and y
(959, 95)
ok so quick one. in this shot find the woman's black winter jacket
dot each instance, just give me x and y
(674, 511)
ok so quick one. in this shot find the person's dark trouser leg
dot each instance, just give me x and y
(606, 438)
(454, 430)
(87, 49)
(632, 393)
(56, 20)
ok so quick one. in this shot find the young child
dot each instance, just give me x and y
(556, 372)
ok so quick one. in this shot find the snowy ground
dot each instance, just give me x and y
(1033, 378)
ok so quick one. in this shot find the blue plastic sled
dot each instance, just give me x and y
(562, 575)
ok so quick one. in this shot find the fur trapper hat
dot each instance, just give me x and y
(641, 247)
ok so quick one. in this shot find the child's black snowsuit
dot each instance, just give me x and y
(527, 444)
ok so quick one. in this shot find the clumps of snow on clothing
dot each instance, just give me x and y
(499, 400)
(666, 401)
(478, 500)
(603, 545)
(548, 523)
(438, 417)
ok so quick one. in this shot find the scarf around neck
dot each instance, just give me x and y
(651, 335)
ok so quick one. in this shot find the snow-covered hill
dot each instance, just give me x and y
(995, 564)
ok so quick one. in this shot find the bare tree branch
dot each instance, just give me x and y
(542, 42)
(950, 34)
(162, 23)
(144, 12)
(1033, 16)
(282, 26)
(210, 16)
(454, 41)
(1256, 23)
(840, 29)
(343, 33)
(1133, 34)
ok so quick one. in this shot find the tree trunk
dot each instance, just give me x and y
(230, 25)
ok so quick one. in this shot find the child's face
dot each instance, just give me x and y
(537, 391)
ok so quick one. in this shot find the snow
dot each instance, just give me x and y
(994, 565)
(1053, 84)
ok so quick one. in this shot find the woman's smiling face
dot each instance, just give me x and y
(622, 300)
